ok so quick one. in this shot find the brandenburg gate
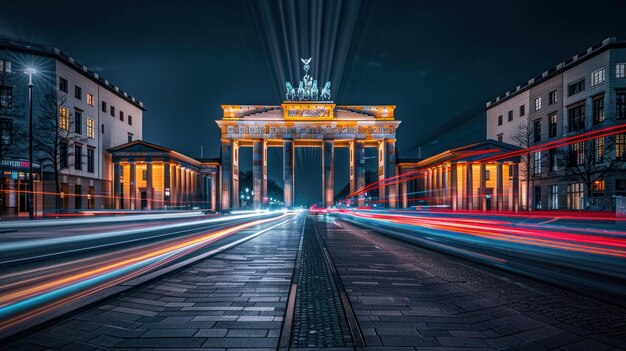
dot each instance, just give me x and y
(307, 118)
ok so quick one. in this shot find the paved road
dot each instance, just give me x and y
(403, 297)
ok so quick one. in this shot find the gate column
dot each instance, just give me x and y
(288, 154)
(226, 172)
(328, 172)
(257, 172)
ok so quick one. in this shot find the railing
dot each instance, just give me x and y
(599, 203)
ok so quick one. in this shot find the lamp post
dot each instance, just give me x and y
(31, 213)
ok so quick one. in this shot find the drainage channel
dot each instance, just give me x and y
(318, 313)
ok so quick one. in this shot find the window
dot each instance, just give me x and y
(6, 131)
(620, 70)
(144, 174)
(121, 115)
(63, 154)
(500, 137)
(597, 77)
(78, 92)
(522, 110)
(576, 154)
(537, 163)
(6, 97)
(576, 117)
(538, 104)
(104, 106)
(102, 128)
(63, 84)
(576, 88)
(91, 128)
(620, 187)
(552, 125)
(130, 137)
(574, 196)
(537, 200)
(130, 120)
(598, 187)
(500, 120)
(552, 160)
(554, 197)
(599, 150)
(78, 196)
(78, 121)
(510, 116)
(598, 109)
(537, 130)
(91, 199)
(552, 97)
(5, 66)
(112, 111)
(78, 157)
(620, 104)
(620, 146)
(64, 117)
(90, 159)
(90, 100)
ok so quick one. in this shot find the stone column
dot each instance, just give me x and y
(149, 189)
(390, 173)
(382, 198)
(328, 173)
(257, 173)
(179, 185)
(226, 173)
(403, 191)
(359, 165)
(167, 183)
(213, 191)
(499, 187)
(445, 186)
(133, 186)
(454, 193)
(469, 187)
(264, 196)
(288, 181)
(515, 185)
(483, 187)
(437, 186)
(117, 193)
(427, 185)
(234, 196)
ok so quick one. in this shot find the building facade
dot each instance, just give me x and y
(568, 167)
(77, 116)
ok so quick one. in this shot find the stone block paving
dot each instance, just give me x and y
(407, 297)
(319, 318)
(234, 300)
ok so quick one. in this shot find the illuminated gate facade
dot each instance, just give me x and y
(306, 124)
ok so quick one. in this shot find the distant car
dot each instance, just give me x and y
(422, 205)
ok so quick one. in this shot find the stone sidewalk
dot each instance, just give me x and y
(407, 297)
(234, 300)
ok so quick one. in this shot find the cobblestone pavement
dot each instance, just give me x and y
(235, 299)
(406, 297)
(319, 318)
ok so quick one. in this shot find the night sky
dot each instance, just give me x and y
(439, 62)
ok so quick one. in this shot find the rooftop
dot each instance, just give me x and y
(607, 43)
(50, 51)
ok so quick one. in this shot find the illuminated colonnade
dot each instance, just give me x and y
(458, 179)
(148, 176)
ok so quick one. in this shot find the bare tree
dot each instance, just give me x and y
(54, 139)
(531, 162)
(590, 161)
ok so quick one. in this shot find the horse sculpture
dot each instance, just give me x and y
(325, 95)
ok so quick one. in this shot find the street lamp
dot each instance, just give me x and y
(30, 71)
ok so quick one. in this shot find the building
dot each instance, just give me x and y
(583, 95)
(77, 115)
